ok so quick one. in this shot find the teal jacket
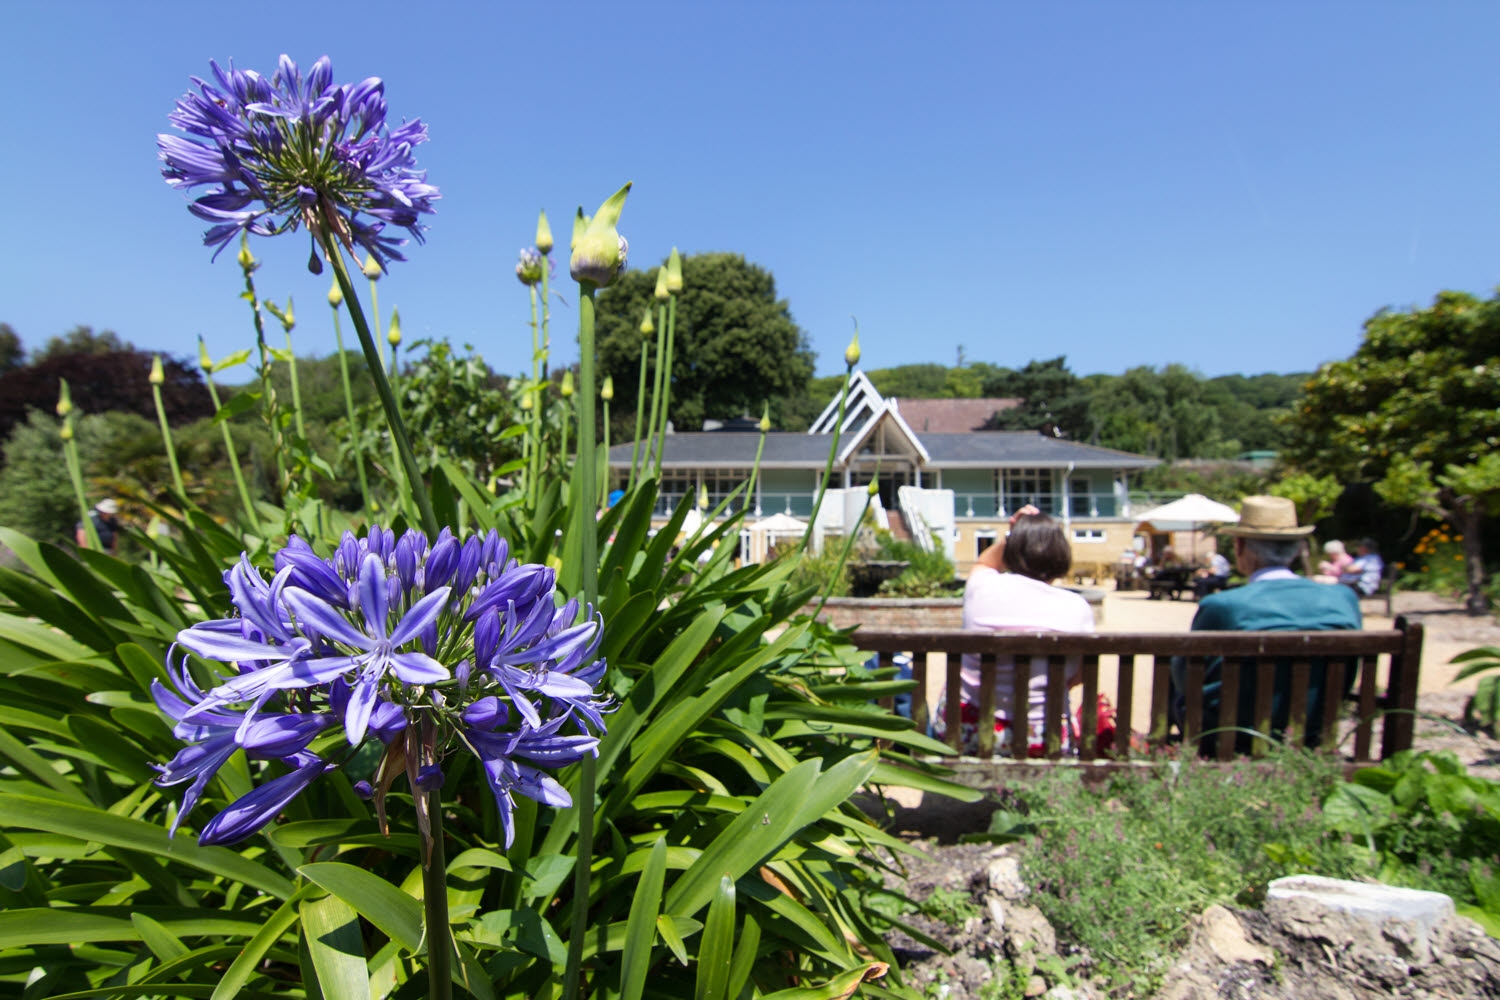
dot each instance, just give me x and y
(1284, 605)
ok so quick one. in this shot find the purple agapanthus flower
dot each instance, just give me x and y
(297, 150)
(410, 641)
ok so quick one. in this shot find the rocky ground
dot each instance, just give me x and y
(1003, 948)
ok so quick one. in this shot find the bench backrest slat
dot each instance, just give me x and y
(1248, 665)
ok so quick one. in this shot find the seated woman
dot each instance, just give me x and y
(1336, 563)
(1020, 599)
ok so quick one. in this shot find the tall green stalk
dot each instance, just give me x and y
(75, 466)
(653, 446)
(647, 329)
(158, 376)
(416, 488)
(534, 439)
(666, 385)
(234, 459)
(248, 265)
(838, 567)
(335, 299)
(606, 394)
(585, 525)
(760, 447)
(833, 450)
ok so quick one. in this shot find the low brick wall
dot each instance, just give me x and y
(905, 613)
(916, 613)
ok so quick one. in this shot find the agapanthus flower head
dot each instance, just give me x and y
(851, 353)
(674, 271)
(607, 391)
(661, 294)
(599, 251)
(158, 374)
(529, 267)
(335, 294)
(64, 398)
(393, 331)
(297, 150)
(430, 647)
(647, 327)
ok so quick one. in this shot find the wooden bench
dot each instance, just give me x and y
(1386, 663)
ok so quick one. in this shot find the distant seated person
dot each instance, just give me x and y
(105, 516)
(1010, 590)
(1267, 541)
(1211, 578)
(1364, 573)
(1335, 563)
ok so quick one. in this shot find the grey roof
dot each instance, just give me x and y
(1013, 449)
(983, 449)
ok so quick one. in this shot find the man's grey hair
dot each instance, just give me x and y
(1280, 552)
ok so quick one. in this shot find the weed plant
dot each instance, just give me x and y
(1121, 869)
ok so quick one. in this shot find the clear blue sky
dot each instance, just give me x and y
(1235, 187)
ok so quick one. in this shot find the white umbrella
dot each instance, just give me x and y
(1186, 514)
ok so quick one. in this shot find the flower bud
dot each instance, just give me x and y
(67, 429)
(674, 271)
(393, 333)
(661, 292)
(246, 259)
(371, 268)
(288, 320)
(335, 294)
(204, 360)
(543, 234)
(599, 251)
(851, 353)
(158, 376)
(873, 488)
(529, 268)
(567, 384)
(64, 399)
(526, 403)
(765, 419)
(647, 326)
(703, 497)
(608, 391)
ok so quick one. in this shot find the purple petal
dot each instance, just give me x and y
(361, 704)
(422, 615)
(251, 811)
(372, 596)
(418, 668)
(327, 622)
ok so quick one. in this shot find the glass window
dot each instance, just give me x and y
(1028, 486)
(721, 483)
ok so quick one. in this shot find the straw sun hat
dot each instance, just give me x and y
(1267, 517)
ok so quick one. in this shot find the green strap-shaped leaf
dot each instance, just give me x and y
(396, 914)
(28, 927)
(743, 962)
(837, 988)
(28, 762)
(93, 824)
(244, 966)
(716, 951)
(330, 927)
(163, 943)
(640, 928)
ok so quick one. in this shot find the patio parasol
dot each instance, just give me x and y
(1186, 514)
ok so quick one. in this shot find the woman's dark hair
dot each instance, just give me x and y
(1037, 548)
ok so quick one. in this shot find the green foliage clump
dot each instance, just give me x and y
(930, 574)
(36, 496)
(1121, 870)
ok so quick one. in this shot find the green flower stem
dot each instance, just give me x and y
(415, 487)
(844, 555)
(166, 437)
(354, 433)
(268, 391)
(291, 355)
(541, 401)
(564, 457)
(234, 460)
(666, 384)
(397, 472)
(75, 473)
(760, 447)
(534, 438)
(585, 524)
(652, 445)
(838, 429)
(435, 906)
(604, 473)
(640, 412)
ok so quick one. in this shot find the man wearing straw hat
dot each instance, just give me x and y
(1267, 540)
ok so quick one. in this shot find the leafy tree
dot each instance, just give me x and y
(1416, 409)
(1166, 413)
(12, 354)
(102, 382)
(1050, 394)
(736, 343)
(81, 340)
(1314, 496)
(454, 408)
(36, 495)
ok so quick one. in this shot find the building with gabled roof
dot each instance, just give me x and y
(961, 486)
